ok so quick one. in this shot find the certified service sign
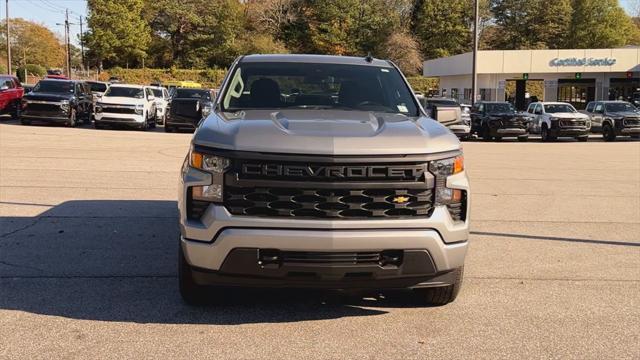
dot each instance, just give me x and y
(582, 62)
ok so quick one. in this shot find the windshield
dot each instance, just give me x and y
(441, 102)
(318, 86)
(97, 87)
(559, 108)
(620, 107)
(56, 87)
(191, 94)
(157, 93)
(117, 91)
(500, 108)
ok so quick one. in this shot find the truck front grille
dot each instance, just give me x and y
(38, 107)
(631, 122)
(328, 203)
(573, 123)
(118, 110)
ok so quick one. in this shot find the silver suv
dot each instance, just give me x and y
(322, 172)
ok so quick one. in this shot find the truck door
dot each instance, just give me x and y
(597, 115)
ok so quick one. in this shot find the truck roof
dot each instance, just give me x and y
(321, 59)
(128, 86)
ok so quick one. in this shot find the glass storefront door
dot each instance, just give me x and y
(623, 89)
(577, 92)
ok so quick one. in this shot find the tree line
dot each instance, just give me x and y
(204, 34)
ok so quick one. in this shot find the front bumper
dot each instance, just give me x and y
(629, 131)
(570, 132)
(111, 118)
(207, 243)
(180, 121)
(460, 130)
(58, 117)
(509, 132)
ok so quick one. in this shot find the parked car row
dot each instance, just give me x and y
(70, 102)
(494, 120)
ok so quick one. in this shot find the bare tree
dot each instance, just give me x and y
(403, 49)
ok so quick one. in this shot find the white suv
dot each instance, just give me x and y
(557, 119)
(162, 103)
(124, 104)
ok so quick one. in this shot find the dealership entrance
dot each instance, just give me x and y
(623, 89)
(577, 92)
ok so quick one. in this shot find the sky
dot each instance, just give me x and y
(50, 12)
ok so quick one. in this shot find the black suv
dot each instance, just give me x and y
(498, 119)
(61, 101)
(187, 107)
(614, 118)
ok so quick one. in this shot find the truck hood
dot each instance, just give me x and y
(324, 132)
(43, 96)
(121, 100)
(570, 116)
(627, 114)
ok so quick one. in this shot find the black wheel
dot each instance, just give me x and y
(97, 125)
(168, 128)
(486, 133)
(523, 138)
(545, 134)
(25, 122)
(155, 122)
(145, 126)
(192, 293)
(442, 295)
(607, 132)
(15, 112)
(583, 138)
(72, 118)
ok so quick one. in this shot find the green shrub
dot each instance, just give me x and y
(32, 69)
(423, 84)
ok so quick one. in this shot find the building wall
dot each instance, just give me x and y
(493, 84)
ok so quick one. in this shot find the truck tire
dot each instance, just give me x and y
(608, 134)
(15, 112)
(438, 296)
(523, 138)
(72, 119)
(486, 133)
(192, 293)
(545, 134)
(168, 129)
(25, 121)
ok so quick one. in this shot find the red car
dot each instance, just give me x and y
(11, 92)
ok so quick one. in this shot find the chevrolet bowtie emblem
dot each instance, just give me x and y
(400, 199)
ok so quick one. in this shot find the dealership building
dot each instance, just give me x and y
(576, 76)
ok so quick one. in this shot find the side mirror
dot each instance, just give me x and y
(99, 96)
(151, 97)
(4, 87)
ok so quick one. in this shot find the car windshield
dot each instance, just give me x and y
(97, 87)
(500, 108)
(117, 91)
(620, 107)
(157, 93)
(558, 108)
(267, 85)
(56, 87)
(191, 93)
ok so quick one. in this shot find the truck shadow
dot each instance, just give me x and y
(115, 260)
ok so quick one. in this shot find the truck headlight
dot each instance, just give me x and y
(98, 107)
(442, 169)
(206, 110)
(64, 105)
(139, 109)
(216, 165)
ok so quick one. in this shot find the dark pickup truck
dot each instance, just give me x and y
(495, 120)
(614, 118)
(187, 107)
(60, 101)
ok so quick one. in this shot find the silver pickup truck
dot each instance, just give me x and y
(322, 172)
(613, 119)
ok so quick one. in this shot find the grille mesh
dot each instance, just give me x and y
(328, 203)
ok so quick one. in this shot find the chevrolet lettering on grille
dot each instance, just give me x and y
(342, 172)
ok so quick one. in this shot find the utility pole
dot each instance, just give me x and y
(84, 65)
(8, 42)
(24, 60)
(66, 42)
(474, 71)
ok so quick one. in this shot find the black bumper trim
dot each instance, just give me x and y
(242, 269)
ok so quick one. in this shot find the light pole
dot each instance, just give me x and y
(474, 70)
(8, 42)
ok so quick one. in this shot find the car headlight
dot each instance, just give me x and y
(553, 118)
(98, 107)
(139, 109)
(442, 169)
(214, 164)
(206, 110)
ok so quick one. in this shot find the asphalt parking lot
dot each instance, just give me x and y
(88, 257)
